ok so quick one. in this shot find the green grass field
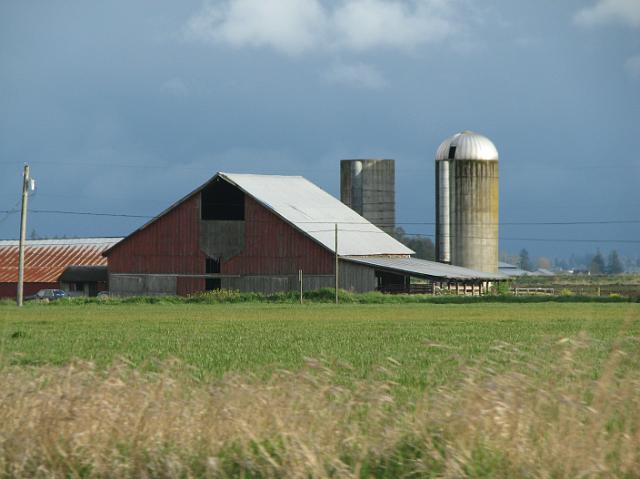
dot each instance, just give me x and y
(357, 391)
(429, 341)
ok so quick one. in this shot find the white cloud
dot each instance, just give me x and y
(606, 11)
(296, 26)
(359, 75)
(366, 24)
(290, 26)
(633, 66)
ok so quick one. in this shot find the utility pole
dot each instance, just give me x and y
(23, 233)
(336, 245)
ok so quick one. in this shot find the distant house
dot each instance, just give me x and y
(75, 265)
(257, 233)
(512, 270)
(543, 272)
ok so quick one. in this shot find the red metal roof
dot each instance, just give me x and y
(45, 260)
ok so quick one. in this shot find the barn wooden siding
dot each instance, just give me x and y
(168, 245)
(274, 247)
(273, 250)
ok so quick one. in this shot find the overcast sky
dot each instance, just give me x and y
(124, 107)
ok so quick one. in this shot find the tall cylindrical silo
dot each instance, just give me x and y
(368, 187)
(467, 202)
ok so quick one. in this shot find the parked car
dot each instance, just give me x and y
(103, 295)
(47, 294)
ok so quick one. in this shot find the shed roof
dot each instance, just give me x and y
(311, 210)
(429, 269)
(45, 260)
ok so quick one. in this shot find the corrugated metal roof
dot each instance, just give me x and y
(315, 212)
(469, 146)
(45, 260)
(431, 269)
(309, 209)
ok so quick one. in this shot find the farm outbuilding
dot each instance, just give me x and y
(257, 233)
(75, 265)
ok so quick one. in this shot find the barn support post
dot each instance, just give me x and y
(336, 245)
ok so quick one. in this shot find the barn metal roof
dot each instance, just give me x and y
(311, 210)
(469, 146)
(315, 212)
(45, 260)
(430, 269)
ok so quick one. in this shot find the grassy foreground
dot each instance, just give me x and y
(488, 390)
(430, 341)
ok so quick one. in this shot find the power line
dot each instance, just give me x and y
(109, 165)
(8, 213)
(56, 242)
(554, 240)
(309, 167)
(413, 223)
(90, 213)
(563, 240)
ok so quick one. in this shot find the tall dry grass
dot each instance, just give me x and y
(543, 421)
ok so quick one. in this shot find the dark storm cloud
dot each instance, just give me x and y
(124, 107)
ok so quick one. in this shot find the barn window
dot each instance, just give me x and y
(452, 152)
(222, 201)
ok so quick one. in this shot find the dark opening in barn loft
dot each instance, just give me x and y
(255, 233)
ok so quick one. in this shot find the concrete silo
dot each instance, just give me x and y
(368, 188)
(467, 202)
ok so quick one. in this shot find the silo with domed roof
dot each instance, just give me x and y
(467, 202)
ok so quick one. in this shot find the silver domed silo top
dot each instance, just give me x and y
(467, 145)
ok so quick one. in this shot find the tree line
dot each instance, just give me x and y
(594, 263)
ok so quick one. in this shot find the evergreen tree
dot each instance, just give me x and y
(597, 265)
(524, 262)
(423, 246)
(614, 266)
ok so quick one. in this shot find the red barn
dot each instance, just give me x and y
(255, 233)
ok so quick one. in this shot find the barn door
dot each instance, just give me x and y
(212, 266)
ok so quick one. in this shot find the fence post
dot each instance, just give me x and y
(337, 263)
(300, 279)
